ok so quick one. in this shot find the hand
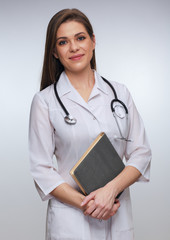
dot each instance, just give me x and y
(104, 204)
(85, 207)
(112, 212)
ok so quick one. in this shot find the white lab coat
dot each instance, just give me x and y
(49, 135)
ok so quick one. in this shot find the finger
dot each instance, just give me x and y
(116, 205)
(109, 213)
(106, 218)
(116, 201)
(98, 213)
(87, 199)
(90, 209)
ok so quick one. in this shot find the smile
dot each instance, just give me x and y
(76, 57)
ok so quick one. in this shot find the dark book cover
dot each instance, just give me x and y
(98, 165)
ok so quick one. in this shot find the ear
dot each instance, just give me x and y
(55, 54)
(94, 41)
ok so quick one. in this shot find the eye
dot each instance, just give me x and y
(81, 38)
(63, 42)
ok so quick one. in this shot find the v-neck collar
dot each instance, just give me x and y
(65, 88)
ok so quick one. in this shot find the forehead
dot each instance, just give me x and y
(68, 29)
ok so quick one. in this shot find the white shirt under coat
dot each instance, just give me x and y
(49, 135)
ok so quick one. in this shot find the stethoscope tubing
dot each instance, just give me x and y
(70, 120)
(59, 100)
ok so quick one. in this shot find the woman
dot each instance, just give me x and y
(70, 61)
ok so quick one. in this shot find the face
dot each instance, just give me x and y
(74, 47)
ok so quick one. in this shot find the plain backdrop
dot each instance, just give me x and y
(133, 47)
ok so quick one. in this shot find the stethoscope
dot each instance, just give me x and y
(115, 110)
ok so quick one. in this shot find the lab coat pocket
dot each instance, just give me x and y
(64, 221)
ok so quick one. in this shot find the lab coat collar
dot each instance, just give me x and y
(64, 86)
(100, 84)
(65, 89)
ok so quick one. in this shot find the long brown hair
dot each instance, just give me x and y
(52, 67)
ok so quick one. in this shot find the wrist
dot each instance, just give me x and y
(114, 188)
(81, 198)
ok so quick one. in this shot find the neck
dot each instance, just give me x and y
(81, 80)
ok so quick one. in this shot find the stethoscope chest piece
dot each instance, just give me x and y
(70, 120)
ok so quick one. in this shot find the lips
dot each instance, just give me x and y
(76, 57)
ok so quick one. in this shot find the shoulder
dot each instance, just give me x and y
(44, 96)
(117, 85)
(120, 88)
(123, 92)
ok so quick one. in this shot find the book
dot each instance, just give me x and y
(98, 165)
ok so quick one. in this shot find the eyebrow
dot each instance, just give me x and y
(77, 34)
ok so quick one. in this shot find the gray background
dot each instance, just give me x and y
(133, 47)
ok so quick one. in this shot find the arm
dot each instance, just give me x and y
(69, 195)
(41, 151)
(48, 181)
(138, 156)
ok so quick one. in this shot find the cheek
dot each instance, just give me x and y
(88, 48)
(61, 54)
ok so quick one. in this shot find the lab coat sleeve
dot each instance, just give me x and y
(41, 149)
(138, 152)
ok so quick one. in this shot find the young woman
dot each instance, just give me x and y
(69, 76)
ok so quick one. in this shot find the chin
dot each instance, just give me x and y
(79, 67)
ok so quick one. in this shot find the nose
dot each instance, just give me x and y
(74, 47)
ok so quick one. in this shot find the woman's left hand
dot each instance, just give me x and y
(104, 205)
